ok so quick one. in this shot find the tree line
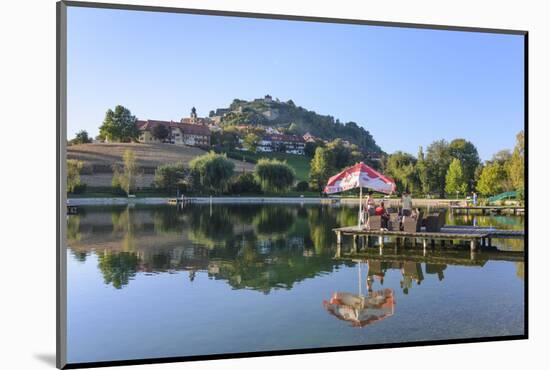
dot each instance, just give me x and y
(450, 169)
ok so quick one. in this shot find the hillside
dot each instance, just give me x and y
(99, 158)
(298, 120)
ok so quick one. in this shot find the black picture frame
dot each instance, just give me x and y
(61, 146)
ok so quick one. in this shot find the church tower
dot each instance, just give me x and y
(193, 115)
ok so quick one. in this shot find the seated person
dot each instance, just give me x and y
(381, 211)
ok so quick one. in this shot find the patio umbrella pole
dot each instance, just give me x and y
(360, 204)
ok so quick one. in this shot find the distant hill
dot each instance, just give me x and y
(269, 112)
(99, 158)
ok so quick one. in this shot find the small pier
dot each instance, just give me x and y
(475, 236)
(180, 200)
(487, 209)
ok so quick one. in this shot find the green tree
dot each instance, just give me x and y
(516, 167)
(125, 178)
(343, 155)
(455, 181)
(422, 172)
(119, 125)
(321, 169)
(81, 137)
(438, 158)
(401, 166)
(310, 147)
(170, 176)
(73, 174)
(492, 179)
(274, 175)
(251, 141)
(212, 171)
(160, 132)
(467, 154)
(502, 157)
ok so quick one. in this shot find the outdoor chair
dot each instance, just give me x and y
(394, 222)
(435, 221)
(374, 223)
(412, 224)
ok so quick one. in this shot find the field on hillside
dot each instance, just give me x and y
(148, 156)
(99, 158)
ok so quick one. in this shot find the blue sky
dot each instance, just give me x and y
(408, 87)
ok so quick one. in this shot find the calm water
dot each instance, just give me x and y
(149, 282)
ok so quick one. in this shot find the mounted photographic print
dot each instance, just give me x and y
(235, 184)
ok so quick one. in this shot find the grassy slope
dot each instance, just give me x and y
(147, 155)
(300, 163)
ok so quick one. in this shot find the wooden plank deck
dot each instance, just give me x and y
(484, 209)
(474, 235)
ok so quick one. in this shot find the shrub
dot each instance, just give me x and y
(170, 176)
(212, 172)
(245, 183)
(302, 186)
(274, 175)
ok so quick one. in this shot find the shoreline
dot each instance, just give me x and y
(249, 200)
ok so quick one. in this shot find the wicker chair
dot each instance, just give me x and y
(412, 224)
(374, 223)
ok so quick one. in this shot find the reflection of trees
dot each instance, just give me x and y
(520, 272)
(273, 220)
(323, 219)
(210, 229)
(80, 256)
(498, 221)
(118, 268)
(73, 229)
(166, 219)
(278, 270)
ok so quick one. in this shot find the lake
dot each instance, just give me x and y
(158, 281)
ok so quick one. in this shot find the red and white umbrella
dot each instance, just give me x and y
(360, 176)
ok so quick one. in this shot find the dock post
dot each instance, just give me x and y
(473, 245)
(354, 243)
(381, 241)
(338, 237)
(488, 242)
(424, 243)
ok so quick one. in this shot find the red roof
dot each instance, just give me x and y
(185, 127)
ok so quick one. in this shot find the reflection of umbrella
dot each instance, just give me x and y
(362, 310)
(360, 176)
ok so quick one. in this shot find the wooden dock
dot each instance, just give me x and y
(475, 236)
(484, 209)
(180, 201)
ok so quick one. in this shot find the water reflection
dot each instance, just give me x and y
(276, 261)
(359, 309)
(250, 247)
